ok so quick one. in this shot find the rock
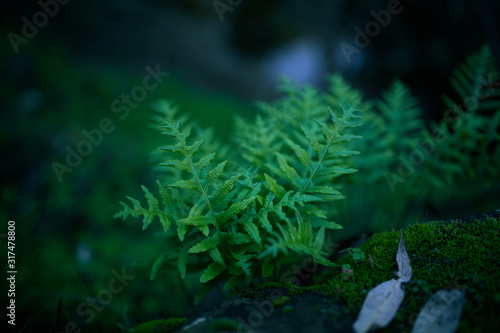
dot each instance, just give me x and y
(274, 310)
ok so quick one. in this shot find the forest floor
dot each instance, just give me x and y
(456, 254)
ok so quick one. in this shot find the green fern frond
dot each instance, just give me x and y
(388, 134)
(299, 239)
(205, 244)
(333, 137)
(217, 257)
(289, 171)
(476, 82)
(211, 272)
(235, 217)
(157, 265)
(470, 126)
(402, 116)
(238, 239)
(256, 142)
(214, 174)
(197, 220)
(224, 189)
(342, 93)
(253, 231)
(313, 141)
(182, 260)
(233, 210)
(148, 214)
(299, 98)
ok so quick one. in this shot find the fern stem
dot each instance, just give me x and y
(200, 187)
(205, 195)
(323, 154)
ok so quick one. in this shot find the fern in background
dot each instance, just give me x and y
(256, 142)
(407, 168)
(392, 123)
(471, 124)
(401, 114)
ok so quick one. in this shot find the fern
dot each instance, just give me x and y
(255, 141)
(240, 221)
(234, 220)
(415, 166)
(167, 111)
(401, 113)
(471, 124)
(476, 84)
(394, 125)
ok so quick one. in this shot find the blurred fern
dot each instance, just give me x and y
(471, 124)
(405, 167)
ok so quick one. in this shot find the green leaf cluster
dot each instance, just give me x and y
(237, 222)
(407, 167)
(234, 213)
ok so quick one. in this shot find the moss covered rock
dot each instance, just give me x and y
(463, 254)
(452, 254)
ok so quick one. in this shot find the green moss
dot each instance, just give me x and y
(251, 293)
(296, 291)
(442, 255)
(278, 302)
(158, 326)
(272, 285)
(287, 309)
(224, 324)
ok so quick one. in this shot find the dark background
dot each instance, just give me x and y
(65, 78)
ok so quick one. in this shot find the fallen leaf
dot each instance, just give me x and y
(441, 313)
(383, 301)
(403, 260)
(380, 306)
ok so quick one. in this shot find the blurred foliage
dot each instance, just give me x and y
(446, 169)
(67, 242)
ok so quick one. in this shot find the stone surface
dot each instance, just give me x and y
(269, 310)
